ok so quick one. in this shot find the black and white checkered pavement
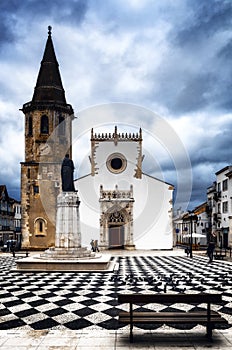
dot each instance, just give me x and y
(70, 300)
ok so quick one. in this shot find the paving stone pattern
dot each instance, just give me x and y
(68, 300)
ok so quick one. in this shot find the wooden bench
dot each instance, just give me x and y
(20, 252)
(206, 318)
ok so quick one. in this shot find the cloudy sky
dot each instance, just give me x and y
(171, 58)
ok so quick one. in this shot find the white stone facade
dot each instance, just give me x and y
(120, 205)
(220, 207)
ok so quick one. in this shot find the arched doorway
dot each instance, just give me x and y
(116, 223)
(116, 218)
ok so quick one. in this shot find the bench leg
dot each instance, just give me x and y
(131, 333)
(209, 332)
(131, 323)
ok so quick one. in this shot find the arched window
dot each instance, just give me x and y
(30, 126)
(61, 125)
(44, 126)
(36, 189)
(116, 217)
(40, 227)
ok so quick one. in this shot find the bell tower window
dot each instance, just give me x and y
(61, 125)
(44, 126)
(36, 189)
(30, 126)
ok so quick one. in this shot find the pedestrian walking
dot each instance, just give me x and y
(92, 245)
(96, 248)
(210, 250)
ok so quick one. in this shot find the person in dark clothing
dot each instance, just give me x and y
(67, 170)
(96, 248)
(92, 245)
(210, 250)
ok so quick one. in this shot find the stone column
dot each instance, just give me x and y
(68, 233)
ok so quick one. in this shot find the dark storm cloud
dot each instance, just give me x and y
(7, 20)
(213, 149)
(224, 58)
(208, 18)
(71, 12)
(64, 11)
(193, 95)
(226, 51)
(185, 92)
(211, 153)
(196, 72)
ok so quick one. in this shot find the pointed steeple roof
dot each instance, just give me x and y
(49, 91)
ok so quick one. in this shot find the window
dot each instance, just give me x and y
(36, 189)
(116, 163)
(30, 126)
(225, 207)
(44, 126)
(61, 125)
(116, 217)
(40, 227)
(28, 173)
(219, 208)
(225, 185)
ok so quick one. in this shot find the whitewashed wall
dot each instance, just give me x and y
(152, 210)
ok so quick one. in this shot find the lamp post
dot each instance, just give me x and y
(191, 217)
(191, 236)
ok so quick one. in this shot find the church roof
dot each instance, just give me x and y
(49, 91)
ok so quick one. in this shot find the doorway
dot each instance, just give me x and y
(116, 236)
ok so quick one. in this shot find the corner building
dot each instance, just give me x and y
(48, 135)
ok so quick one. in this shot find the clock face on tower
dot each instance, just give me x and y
(116, 163)
(44, 149)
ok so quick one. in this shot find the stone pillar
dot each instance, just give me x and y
(68, 233)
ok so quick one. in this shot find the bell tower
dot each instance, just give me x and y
(48, 137)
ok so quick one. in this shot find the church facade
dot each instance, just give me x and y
(121, 206)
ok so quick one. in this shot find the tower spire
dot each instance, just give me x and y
(49, 91)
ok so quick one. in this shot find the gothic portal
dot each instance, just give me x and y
(116, 218)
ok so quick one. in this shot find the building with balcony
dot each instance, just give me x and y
(8, 222)
(192, 225)
(219, 202)
(17, 221)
